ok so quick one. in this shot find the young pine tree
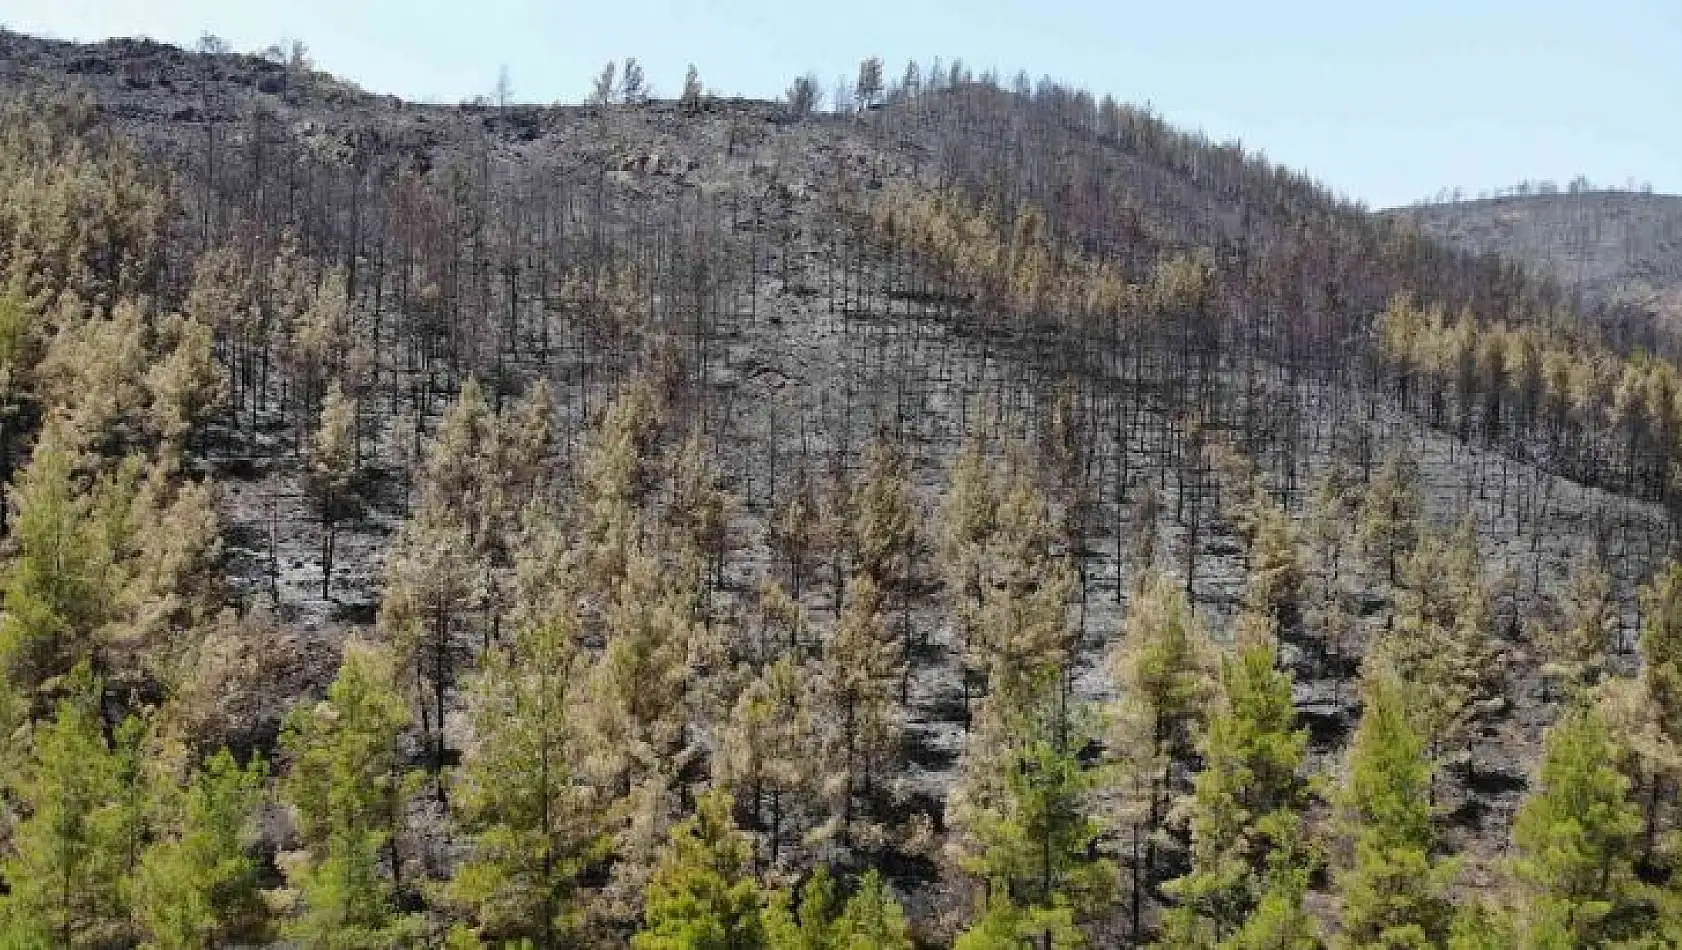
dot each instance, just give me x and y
(91, 378)
(534, 823)
(1390, 514)
(1004, 925)
(642, 679)
(53, 594)
(869, 920)
(701, 895)
(1280, 920)
(1332, 516)
(1480, 926)
(792, 533)
(780, 622)
(1330, 532)
(872, 919)
(885, 535)
(765, 752)
(859, 671)
(319, 339)
(332, 467)
(811, 925)
(1394, 893)
(1274, 587)
(1661, 646)
(1574, 645)
(614, 475)
(701, 508)
(1441, 643)
(347, 787)
(966, 524)
(1646, 712)
(1246, 806)
(884, 515)
(433, 578)
(1576, 839)
(199, 885)
(1023, 638)
(68, 872)
(1025, 813)
(640, 694)
(185, 383)
(1164, 669)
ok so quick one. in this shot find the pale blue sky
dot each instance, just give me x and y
(1383, 100)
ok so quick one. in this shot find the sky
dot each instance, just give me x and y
(1384, 101)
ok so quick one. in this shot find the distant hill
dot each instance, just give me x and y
(1613, 247)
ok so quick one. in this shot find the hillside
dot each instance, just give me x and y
(997, 491)
(1623, 249)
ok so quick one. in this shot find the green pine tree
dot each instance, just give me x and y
(1575, 838)
(1246, 805)
(1661, 648)
(1025, 808)
(348, 900)
(71, 854)
(1441, 644)
(52, 592)
(702, 896)
(811, 926)
(1280, 921)
(198, 886)
(534, 824)
(869, 920)
(1479, 927)
(1007, 925)
(1645, 713)
(1393, 894)
(347, 786)
(1164, 668)
(872, 919)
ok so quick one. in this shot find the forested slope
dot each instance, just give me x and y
(981, 517)
(1620, 249)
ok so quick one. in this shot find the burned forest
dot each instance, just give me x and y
(963, 513)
